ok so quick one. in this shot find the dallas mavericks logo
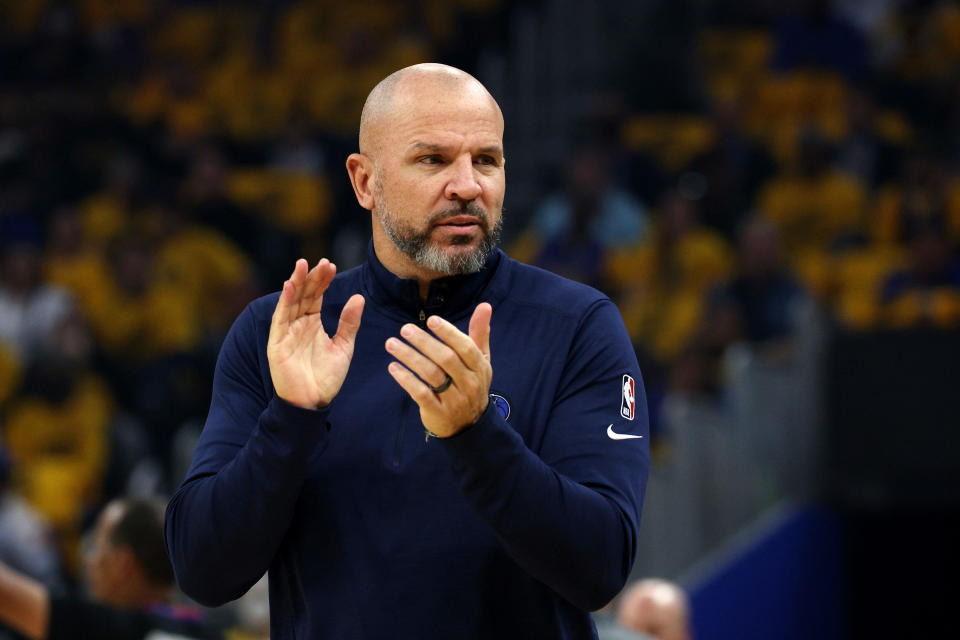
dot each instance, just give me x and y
(501, 404)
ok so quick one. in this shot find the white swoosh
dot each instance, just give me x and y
(619, 436)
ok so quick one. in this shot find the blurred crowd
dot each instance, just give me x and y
(164, 162)
(812, 169)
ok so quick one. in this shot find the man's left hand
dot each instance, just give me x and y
(425, 361)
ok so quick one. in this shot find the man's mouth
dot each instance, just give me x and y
(464, 224)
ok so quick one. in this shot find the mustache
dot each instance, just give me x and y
(466, 208)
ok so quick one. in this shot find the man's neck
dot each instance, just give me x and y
(401, 265)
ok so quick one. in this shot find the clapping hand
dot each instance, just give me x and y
(465, 358)
(308, 367)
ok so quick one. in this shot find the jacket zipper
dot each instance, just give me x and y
(407, 405)
(398, 442)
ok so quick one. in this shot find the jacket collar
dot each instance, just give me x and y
(446, 297)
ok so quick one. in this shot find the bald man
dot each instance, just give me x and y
(656, 607)
(440, 443)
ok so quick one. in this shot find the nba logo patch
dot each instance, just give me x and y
(628, 402)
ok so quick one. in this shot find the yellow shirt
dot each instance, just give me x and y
(60, 451)
(810, 213)
(663, 290)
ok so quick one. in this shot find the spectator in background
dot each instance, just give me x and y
(662, 282)
(201, 261)
(149, 330)
(761, 303)
(296, 152)
(205, 192)
(658, 608)
(927, 291)
(663, 279)
(30, 310)
(919, 198)
(814, 205)
(130, 581)
(73, 261)
(26, 539)
(142, 317)
(862, 152)
(106, 212)
(573, 227)
(57, 432)
(591, 203)
(732, 168)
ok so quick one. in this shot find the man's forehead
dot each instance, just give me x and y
(426, 104)
(419, 99)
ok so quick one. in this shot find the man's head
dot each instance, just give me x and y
(431, 170)
(759, 247)
(655, 607)
(127, 565)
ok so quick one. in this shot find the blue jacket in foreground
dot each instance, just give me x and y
(514, 528)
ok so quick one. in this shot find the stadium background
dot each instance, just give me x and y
(769, 190)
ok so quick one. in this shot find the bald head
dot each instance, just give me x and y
(402, 90)
(656, 607)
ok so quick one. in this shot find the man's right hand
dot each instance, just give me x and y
(307, 366)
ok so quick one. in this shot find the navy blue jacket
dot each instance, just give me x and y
(513, 528)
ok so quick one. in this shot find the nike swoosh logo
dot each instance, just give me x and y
(613, 435)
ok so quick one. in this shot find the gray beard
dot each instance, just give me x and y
(417, 245)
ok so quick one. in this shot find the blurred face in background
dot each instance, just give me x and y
(656, 608)
(105, 564)
(759, 249)
(21, 268)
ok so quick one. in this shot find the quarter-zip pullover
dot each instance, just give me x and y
(515, 527)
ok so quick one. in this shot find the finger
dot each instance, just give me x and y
(414, 386)
(426, 369)
(297, 279)
(329, 273)
(317, 281)
(458, 341)
(307, 288)
(350, 320)
(479, 330)
(279, 321)
(446, 358)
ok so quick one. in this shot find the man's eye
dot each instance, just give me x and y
(431, 159)
(487, 160)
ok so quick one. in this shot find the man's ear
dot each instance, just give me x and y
(360, 169)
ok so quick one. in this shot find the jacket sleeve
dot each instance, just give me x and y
(569, 516)
(226, 521)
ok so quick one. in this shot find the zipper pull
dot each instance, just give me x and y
(423, 318)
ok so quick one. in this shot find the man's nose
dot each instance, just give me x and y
(462, 184)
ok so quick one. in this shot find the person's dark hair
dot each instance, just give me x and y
(141, 529)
